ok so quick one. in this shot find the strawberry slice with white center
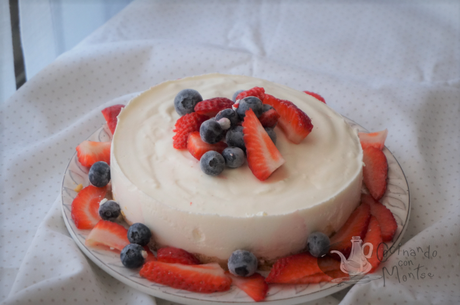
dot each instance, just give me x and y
(262, 155)
(374, 139)
(107, 235)
(110, 114)
(384, 216)
(85, 207)
(375, 172)
(292, 269)
(254, 285)
(374, 237)
(90, 152)
(198, 147)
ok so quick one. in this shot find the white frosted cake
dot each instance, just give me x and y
(316, 189)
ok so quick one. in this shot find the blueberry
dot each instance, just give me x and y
(242, 263)
(234, 157)
(99, 174)
(229, 114)
(318, 244)
(234, 137)
(185, 101)
(271, 134)
(211, 132)
(236, 94)
(212, 163)
(247, 103)
(133, 256)
(109, 210)
(139, 234)
(266, 107)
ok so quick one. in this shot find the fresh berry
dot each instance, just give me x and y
(236, 94)
(212, 163)
(258, 92)
(234, 157)
(235, 138)
(140, 234)
(291, 269)
(109, 210)
(150, 256)
(271, 133)
(90, 152)
(316, 95)
(85, 207)
(375, 172)
(198, 148)
(247, 103)
(211, 132)
(318, 244)
(384, 216)
(331, 267)
(212, 106)
(254, 285)
(206, 278)
(229, 114)
(269, 117)
(295, 124)
(176, 256)
(184, 126)
(262, 155)
(242, 263)
(133, 256)
(107, 235)
(374, 237)
(99, 174)
(185, 101)
(314, 279)
(110, 114)
(375, 139)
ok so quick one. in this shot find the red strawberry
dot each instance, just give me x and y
(107, 235)
(254, 285)
(110, 114)
(150, 256)
(316, 95)
(212, 106)
(374, 237)
(184, 126)
(85, 207)
(384, 216)
(198, 147)
(262, 155)
(269, 118)
(291, 269)
(206, 278)
(295, 124)
(176, 256)
(375, 172)
(90, 152)
(331, 267)
(315, 278)
(258, 92)
(375, 139)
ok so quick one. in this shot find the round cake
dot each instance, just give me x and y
(316, 189)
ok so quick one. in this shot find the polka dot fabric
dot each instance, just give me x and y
(383, 65)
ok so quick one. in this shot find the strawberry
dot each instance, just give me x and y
(375, 139)
(184, 126)
(254, 285)
(107, 235)
(258, 92)
(212, 106)
(85, 207)
(291, 269)
(331, 267)
(198, 147)
(110, 114)
(384, 216)
(150, 256)
(316, 95)
(295, 124)
(374, 236)
(90, 152)
(206, 278)
(269, 118)
(262, 155)
(176, 256)
(375, 172)
(314, 279)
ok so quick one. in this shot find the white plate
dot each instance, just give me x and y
(397, 199)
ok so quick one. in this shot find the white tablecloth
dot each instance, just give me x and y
(392, 65)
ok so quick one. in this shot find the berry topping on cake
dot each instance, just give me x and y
(230, 114)
(318, 244)
(258, 92)
(99, 174)
(374, 139)
(110, 114)
(247, 103)
(254, 285)
(212, 106)
(90, 152)
(109, 210)
(316, 95)
(184, 126)
(242, 263)
(212, 163)
(107, 235)
(186, 100)
(269, 117)
(205, 278)
(375, 172)
(374, 236)
(176, 256)
(235, 137)
(262, 155)
(211, 132)
(236, 94)
(234, 157)
(85, 207)
(271, 133)
(139, 234)
(133, 256)
(384, 216)
(293, 269)
(197, 147)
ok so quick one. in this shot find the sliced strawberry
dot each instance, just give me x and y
(295, 124)
(206, 278)
(254, 285)
(110, 114)
(314, 279)
(176, 256)
(269, 118)
(85, 207)
(262, 155)
(107, 235)
(375, 172)
(316, 95)
(374, 139)
(291, 269)
(198, 147)
(150, 256)
(374, 236)
(258, 92)
(384, 216)
(212, 106)
(184, 126)
(90, 152)
(331, 267)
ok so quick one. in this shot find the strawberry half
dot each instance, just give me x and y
(107, 235)
(185, 125)
(206, 278)
(176, 256)
(375, 172)
(269, 118)
(90, 152)
(110, 114)
(316, 95)
(331, 267)
(85, 207)
(292, 269)
(150, 256)
(384, 216)
(258, 92)
(198, 147)
(374, 139)
(254, 285)
(374, 236)
(295, 124)
(262, 155)
(212, 106)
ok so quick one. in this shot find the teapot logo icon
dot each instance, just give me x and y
(357, 261)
